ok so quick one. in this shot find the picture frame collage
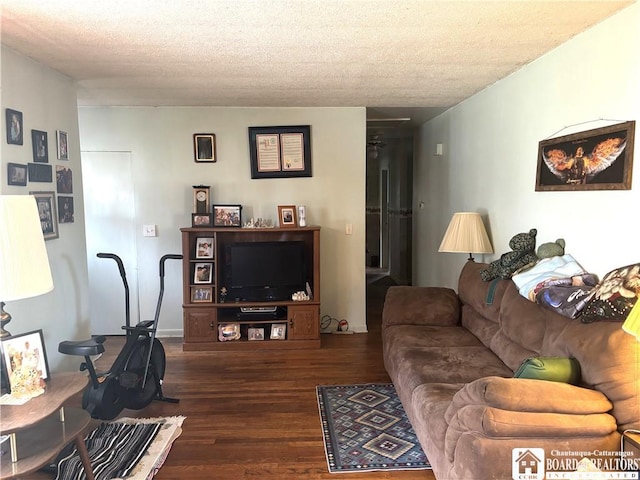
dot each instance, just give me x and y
(203, 270)
(253, 332)
(55, 206)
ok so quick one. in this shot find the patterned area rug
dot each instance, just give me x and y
(131, 448)
(365, 428)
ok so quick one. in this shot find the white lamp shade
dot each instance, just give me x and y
(466, 234)
(24, 264)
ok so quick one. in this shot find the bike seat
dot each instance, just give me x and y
(93, 346)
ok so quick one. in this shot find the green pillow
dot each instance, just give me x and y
(554, 369)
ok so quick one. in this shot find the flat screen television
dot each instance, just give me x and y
(265, 271)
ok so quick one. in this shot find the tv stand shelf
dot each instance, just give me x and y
(208, 306)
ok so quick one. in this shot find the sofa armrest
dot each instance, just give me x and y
(496, 407)
(404, 305)
(529, 395)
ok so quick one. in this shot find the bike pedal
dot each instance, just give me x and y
(128, 380)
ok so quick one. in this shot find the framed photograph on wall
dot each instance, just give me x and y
(17, 174)
(278, 152)
(26, 363)
(65, 209)
(14, 126)
(46, 202)
(62, 142)
(598, 159)
(204, 147)
(287, 216)
(40, 172)
(64, 179)
(40, 146)
(227, 215)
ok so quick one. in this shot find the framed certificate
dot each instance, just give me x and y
(278, 152)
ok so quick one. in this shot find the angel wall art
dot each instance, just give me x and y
(599, 159)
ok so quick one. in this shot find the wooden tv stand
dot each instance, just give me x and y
(206, 309)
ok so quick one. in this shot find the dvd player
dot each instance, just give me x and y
(258, 309)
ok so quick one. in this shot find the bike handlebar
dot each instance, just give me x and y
(117, 260)
(171, 256)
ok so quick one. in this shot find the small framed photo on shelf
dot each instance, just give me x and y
(287, 216)
(62, 141)
(204, 247)
(26, 363)
(201, 294)
(17, 174)
(278, 331)
(202, 272)
(14, 127)
(255, 333)
(228, 331)
(204, 147)
(201, 219)
(227, 215)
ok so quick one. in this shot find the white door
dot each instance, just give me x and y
(109, 206)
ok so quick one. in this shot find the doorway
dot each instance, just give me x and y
(110, 220)
(389, 195)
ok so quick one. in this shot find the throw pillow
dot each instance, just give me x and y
(615, 295)
(554, 369)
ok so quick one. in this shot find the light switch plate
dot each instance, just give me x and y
(149, 231)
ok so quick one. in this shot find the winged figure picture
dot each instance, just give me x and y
(593, 160)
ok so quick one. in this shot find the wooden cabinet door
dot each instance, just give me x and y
(200, 325)
(304, 322)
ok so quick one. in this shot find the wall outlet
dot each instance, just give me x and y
(149, 231)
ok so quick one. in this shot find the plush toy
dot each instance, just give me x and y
(551, 249)
(523, 246)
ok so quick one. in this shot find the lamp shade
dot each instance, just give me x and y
(466, 234)
(632, 324)
(24, 264)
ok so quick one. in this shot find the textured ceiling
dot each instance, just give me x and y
(415, 55)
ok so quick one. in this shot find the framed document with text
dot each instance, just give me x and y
(278, 152)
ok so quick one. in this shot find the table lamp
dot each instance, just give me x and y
(24, 264)
(632, 324)
(466, 234)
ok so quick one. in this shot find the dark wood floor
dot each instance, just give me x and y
(255, 414)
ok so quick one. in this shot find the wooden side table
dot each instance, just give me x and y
(42, 427)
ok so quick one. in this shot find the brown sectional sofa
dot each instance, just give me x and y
(452, 358)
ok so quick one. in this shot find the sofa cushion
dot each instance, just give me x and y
(419, 306)
(554, 369)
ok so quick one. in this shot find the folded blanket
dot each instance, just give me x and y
(564, 266)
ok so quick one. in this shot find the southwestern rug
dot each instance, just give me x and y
(365, 428)
(127, 448)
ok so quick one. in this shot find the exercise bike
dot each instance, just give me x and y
(135, 378)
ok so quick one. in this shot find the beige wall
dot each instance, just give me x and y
(160, 140)
(47, 101)
(490, 149)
